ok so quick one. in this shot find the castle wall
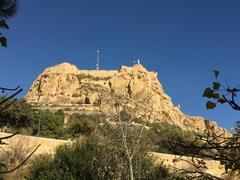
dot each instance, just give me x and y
(98, 73)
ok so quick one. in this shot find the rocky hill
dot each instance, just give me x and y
(66, 87)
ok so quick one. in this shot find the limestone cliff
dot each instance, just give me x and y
(66, 87)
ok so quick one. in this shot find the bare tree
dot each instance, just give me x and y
(127, 112)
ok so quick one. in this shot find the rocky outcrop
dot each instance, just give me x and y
(66, 87)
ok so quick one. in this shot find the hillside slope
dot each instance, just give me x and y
(66, 87)
(25, 144)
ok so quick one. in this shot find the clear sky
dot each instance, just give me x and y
(182, 40)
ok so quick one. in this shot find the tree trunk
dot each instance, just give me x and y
(131, 169)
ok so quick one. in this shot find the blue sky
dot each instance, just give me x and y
(182, 40)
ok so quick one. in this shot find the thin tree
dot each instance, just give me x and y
(127, 112)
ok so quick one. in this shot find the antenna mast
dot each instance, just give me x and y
(98, 60)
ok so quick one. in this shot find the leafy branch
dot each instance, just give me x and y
(220, 93)
(8, 9)
(3, 39)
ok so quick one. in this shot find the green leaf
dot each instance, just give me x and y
(3, 41)
(221, 100)
(208, 92)
(210, 105)
(216, 73)
(216, 85)
(3, 24)
(216, 95)
(2, 164)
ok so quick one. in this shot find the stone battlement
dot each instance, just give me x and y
(98, 73)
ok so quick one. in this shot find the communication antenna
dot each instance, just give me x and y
(98, 59)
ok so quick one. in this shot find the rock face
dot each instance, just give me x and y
(66, 87)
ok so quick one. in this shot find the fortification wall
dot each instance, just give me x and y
(28, 143)
(98, 73)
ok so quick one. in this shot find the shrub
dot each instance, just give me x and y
(51, 124)
(165, 134)
(18, 115)
(99, 156)
(45, 168)
(81, 124)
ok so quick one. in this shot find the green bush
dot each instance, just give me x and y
(18, 115)
(51, 124)
(99, 156)
(165, 134)
(125, 116)
(46, 167)
(81, 124)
